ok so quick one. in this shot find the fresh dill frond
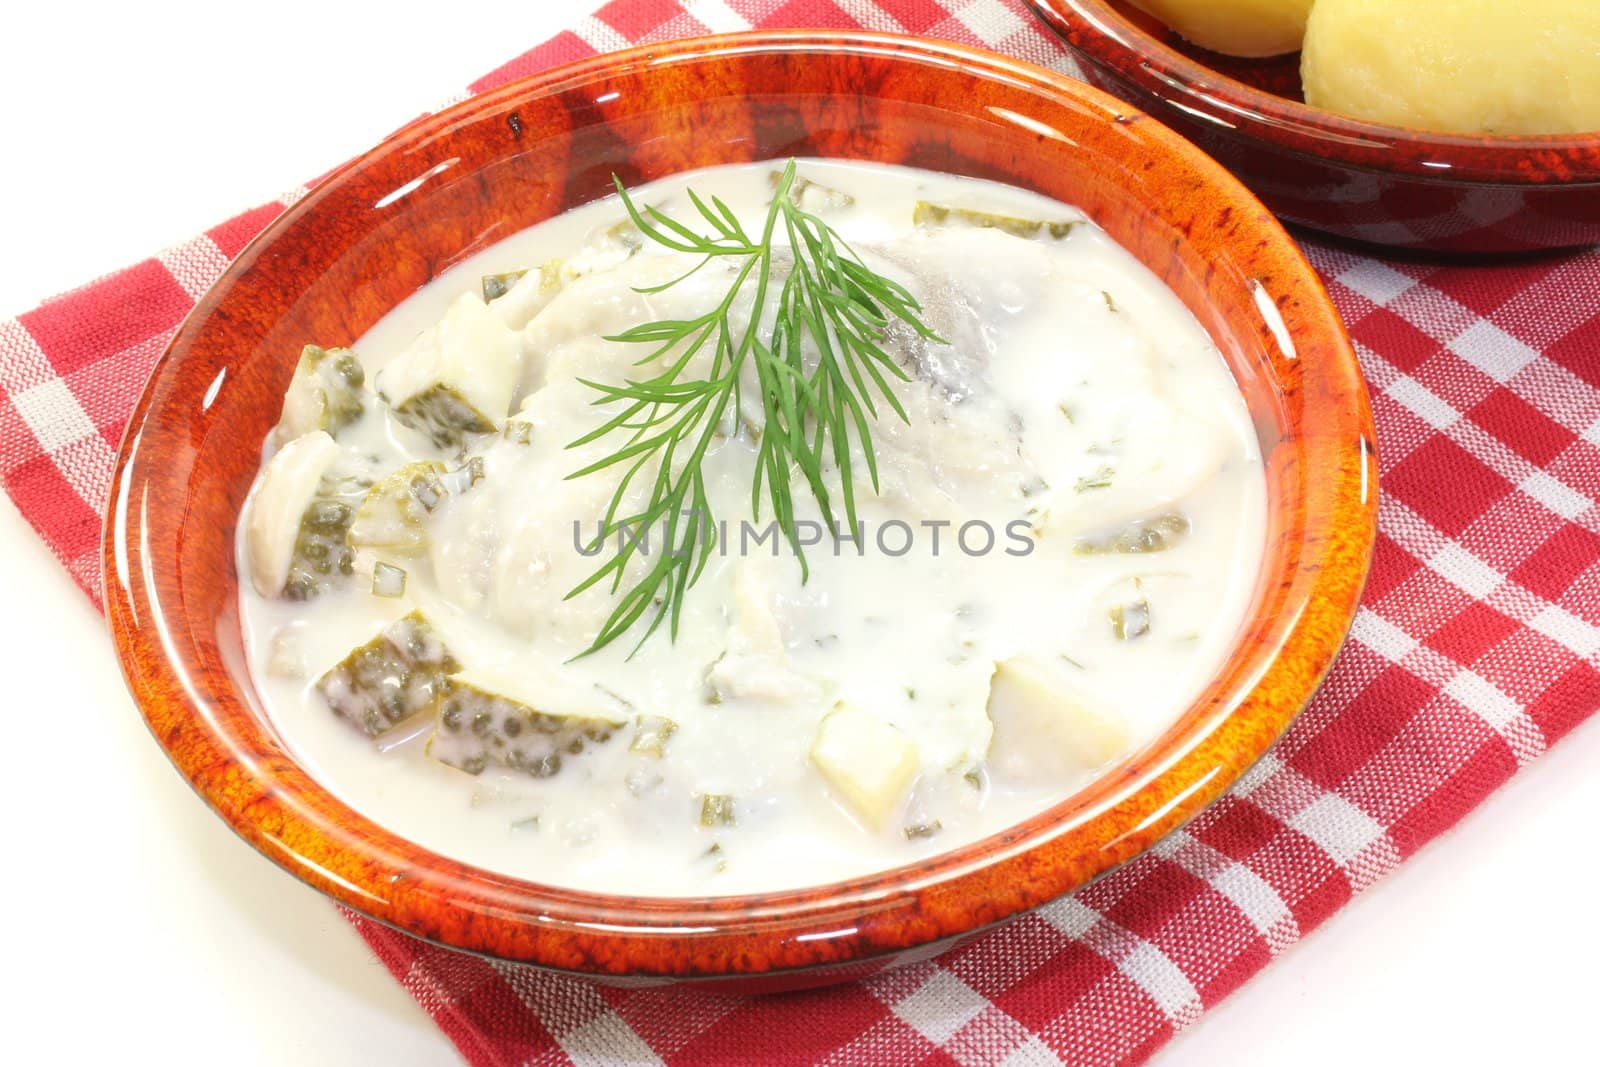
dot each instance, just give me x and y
(819, 362)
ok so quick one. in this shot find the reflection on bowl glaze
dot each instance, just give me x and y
(1380, 185)
(382, 226)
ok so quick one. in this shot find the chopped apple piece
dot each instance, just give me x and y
(457, 377)
(1043, 727)
(868, 762)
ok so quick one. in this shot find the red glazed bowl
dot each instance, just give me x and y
(383, 225)
(1380, 185)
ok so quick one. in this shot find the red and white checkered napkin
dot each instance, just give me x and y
(1477, 646)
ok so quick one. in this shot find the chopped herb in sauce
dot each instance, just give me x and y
(716, 809)
(1131, 621)
(1100, 479)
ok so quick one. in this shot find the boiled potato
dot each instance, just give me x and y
(1457, 66)
(1235, 27)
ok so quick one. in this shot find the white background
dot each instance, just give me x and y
(138, 925)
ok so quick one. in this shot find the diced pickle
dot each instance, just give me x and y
(326, 393)
(473, 471)
(1131, 620)
(925, 828)
(398, 674)
(394, 514)
(650, 734)
(517, 296)
(928, 213)
(388, 580)
(497, 285)
(626, 234)
(716, 809)
(809, 195)
(1100, 478)
(458, 376)
(1138, 538)
(484, 718)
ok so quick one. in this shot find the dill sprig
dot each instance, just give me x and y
(819, 362)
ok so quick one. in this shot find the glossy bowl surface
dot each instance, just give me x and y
(383, 225)
(1381, 185)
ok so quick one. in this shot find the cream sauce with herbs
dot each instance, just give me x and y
(1078, 485)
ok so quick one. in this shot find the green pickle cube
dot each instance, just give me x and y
(810, 196)
(393, 677)
(717, 809)
(650, 734)
(497, 285)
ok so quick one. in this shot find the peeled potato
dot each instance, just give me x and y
(1457, 66)
(1235, 27)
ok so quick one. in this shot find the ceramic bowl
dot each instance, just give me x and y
(383, 225)
(1380, 185)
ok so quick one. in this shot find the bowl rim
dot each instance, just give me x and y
(833, 926)
(1106, 36)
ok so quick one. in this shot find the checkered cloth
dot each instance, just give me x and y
(1476, 648)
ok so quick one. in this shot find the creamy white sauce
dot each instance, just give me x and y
(1072, 366)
